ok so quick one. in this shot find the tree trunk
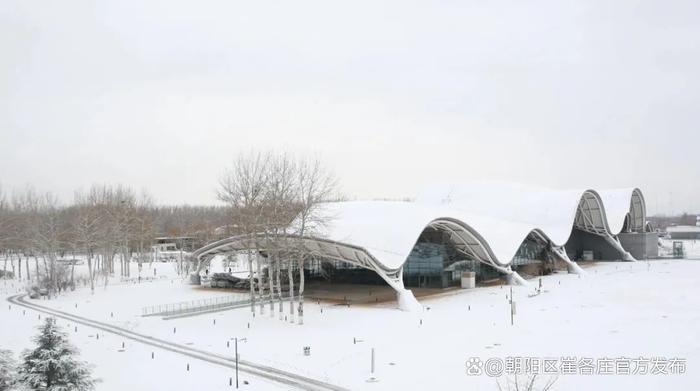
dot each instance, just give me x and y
(106, 263)
(261, 286)
(279, 289)
(46, 267)
(91, 274)
(19, 265)
(179, 261)
(270, 271)
(72, 275)
(128, 261)
(54, 272)
(49, 277)
(291, 291)
(300, 307)
(252, 282)
(36, 263)
(72, 271)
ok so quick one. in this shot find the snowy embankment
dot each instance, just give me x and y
(648, 309)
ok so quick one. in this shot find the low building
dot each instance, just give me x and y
(174, 243)
(487, 229)
(680, 232)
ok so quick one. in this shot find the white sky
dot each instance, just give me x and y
(393, 95)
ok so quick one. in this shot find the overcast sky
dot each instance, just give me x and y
(392, 95)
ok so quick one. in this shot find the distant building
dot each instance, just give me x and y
(684, 232)
(174, 243)
(160, 247)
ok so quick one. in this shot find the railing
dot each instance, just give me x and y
(193, 306)
(188, 307)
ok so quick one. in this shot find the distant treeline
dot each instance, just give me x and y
(662, 221)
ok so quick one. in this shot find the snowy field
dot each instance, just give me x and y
(644, 309)
(690, 247)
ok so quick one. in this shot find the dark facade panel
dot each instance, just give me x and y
(641, 245)
(581, 241)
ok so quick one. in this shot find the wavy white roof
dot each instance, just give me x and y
(389, 229)
(500, 216)
(488, 220)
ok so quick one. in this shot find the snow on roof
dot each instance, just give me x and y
(553, 211)
(389, 229)
(502, 215)
(489, 220)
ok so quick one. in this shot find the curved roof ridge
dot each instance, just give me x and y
(498, 218)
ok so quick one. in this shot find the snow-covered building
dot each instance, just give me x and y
(684, 232)
(174, 243)
(489, 228)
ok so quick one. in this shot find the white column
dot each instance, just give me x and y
(513, 277)
(626, 256)
(560, 252)
(405, 298)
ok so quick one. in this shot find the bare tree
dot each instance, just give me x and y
(144, 229)
(275, 200)
(242, 187)
(13, 237)
(5, 230)
(86, 226)
(314, 186)
(45, 229)
(115, 207)
(280, 209)
(20, 230)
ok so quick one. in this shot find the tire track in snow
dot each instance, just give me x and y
(266, 372)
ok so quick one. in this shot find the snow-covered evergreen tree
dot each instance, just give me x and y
(53, 365)
(7, 370)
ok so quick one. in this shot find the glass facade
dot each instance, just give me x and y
(425, 266)
(531, 251)
(434, 262)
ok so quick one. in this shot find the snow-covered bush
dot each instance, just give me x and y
(53, 365)
(7, 370)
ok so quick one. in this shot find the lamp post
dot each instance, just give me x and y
(236, 352)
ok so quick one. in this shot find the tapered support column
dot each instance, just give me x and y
(515, 279)
(408, 302)
(560, 252)
(626, 256)
(405, 298)
(512, 277)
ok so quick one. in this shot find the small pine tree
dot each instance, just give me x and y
(53, 366)
(7, 370)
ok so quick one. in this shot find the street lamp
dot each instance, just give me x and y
(236, 351)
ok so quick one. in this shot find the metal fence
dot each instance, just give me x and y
(186, 307)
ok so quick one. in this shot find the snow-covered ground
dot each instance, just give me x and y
(648, 309)
(131, 368)
(691, 248)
